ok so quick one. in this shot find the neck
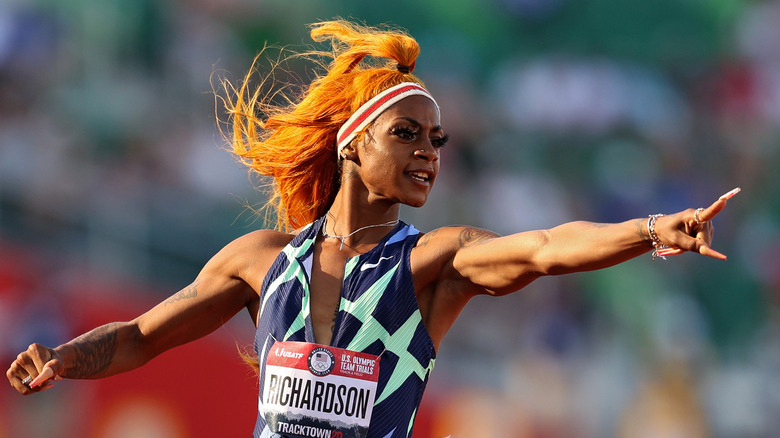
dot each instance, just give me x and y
(353, 208)
(355, 221)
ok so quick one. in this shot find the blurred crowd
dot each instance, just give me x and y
(112, 165)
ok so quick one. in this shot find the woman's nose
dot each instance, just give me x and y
(427, 153)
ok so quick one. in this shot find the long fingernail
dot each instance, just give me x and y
(46, 374)
(718, 255)
(731, 194)
(668, 251)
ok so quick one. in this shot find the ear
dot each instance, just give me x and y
(348, 152)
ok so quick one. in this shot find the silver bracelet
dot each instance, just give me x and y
(657, 244)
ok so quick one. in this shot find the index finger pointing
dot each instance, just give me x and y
(710, 212)
(730, 194)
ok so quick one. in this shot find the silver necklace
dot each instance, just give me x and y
(343, 238)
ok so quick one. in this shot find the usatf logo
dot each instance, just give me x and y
(321, 361)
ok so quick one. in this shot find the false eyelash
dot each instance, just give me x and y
(441, 142)
(404, 133)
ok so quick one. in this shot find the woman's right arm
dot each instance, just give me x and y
(216, 295)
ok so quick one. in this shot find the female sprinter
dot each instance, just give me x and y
(350, 303)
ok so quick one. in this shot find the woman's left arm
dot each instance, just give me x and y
(501, 265)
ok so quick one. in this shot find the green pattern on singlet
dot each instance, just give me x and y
(294, 271)
(373, 331)
(362, 307)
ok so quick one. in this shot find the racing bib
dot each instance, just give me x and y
(316, 391)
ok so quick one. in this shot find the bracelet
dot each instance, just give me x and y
(657, 244)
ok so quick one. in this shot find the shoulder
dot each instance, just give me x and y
(260, 240)
(453, 238)
(433, 255)
(252, 250)
(442, 291)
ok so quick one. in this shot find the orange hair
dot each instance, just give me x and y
(295, 144)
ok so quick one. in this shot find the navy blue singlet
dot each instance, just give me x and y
(378, 314)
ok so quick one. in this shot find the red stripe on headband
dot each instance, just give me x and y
(368, 111)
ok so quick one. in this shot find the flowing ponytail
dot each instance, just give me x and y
(295, 143)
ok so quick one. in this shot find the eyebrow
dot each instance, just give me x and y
(415, 122)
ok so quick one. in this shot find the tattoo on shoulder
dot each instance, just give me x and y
(190, 291)
(474, 236)
(426, 238)
(94, 351)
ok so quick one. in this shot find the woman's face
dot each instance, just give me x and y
(398, 158)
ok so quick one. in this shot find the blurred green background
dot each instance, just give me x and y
(115, 188)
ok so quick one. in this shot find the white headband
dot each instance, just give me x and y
(369, 111)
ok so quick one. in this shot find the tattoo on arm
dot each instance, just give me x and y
(94, 352)
(190, 291)
(641, 229)
(474, 236)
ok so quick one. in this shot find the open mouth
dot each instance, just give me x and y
(422, 177)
